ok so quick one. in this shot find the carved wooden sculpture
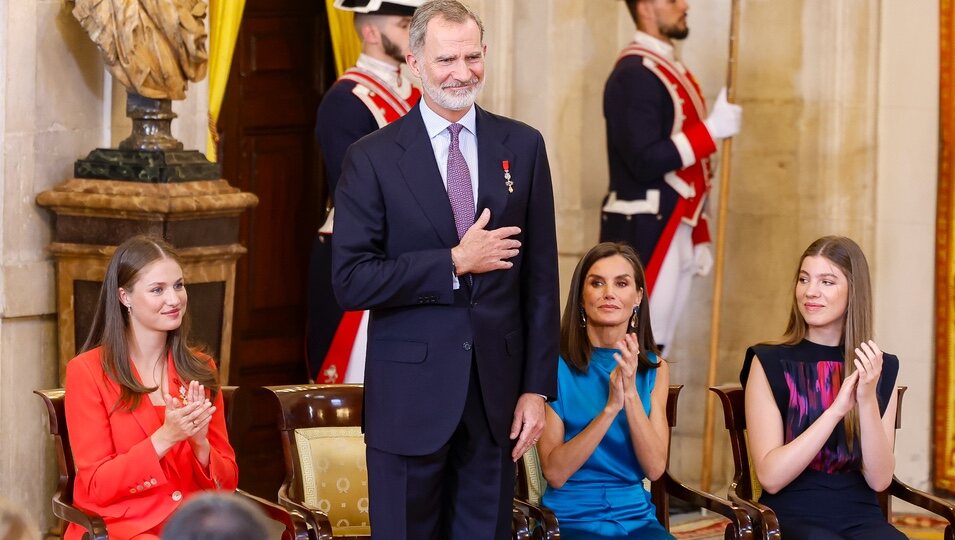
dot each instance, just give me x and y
(152, 47)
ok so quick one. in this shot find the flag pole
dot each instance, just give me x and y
(724, 185)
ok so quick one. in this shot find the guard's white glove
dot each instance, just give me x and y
(725, 118)
(702, 259)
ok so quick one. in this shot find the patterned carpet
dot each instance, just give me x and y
(916, 526)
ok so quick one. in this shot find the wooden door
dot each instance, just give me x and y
(282, 65)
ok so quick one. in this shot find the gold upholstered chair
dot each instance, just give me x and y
(745, 489)
(544, 525)
(326, 477)
(293, 525)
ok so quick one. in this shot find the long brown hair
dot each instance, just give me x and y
(575, 346)
(111, 323)
(857, 324)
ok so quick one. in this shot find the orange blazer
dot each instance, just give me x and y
(118, 474)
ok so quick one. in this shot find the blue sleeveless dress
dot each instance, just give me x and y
(605, 498)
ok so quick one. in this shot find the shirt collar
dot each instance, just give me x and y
(381, 69)
(658, 46)
(435, 123)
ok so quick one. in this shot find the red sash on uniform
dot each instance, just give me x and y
(386, 106)
(384, 103)
(691, 183)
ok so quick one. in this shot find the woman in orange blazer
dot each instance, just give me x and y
(144, 413)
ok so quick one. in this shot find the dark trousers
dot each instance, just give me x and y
(840, 531)
(464, 490)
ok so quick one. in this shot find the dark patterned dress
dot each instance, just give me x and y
(830, 499)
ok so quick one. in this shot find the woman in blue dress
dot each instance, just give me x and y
(821, 404)
(607, 430)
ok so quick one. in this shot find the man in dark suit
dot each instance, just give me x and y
(463, 337)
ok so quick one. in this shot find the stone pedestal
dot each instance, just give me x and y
(200, 218)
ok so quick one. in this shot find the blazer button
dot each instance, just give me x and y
(177, 495)
(467, 345)
(132, 490)
(153, 482)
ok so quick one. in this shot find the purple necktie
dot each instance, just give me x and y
(459, 184)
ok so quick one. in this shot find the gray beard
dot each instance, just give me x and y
(450, 101)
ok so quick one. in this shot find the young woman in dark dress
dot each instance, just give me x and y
(821, 404)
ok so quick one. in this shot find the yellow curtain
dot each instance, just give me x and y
(345, 42)
(944, 433)
(225, 16)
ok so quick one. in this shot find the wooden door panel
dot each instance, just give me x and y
(282, 64)
(272, 167)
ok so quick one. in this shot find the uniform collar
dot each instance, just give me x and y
(383, 70)
(658, 46)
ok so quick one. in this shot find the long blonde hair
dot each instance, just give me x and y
(857, 323)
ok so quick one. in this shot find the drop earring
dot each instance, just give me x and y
(583, 317)
(635, 316)
(129, 308)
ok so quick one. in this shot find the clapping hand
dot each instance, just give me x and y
(868, 362)
(615, 395)
(189, 420)
(627, 362)
(846, 398)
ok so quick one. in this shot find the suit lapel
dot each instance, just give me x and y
(145, 413)
(421, 173)
(492, 192)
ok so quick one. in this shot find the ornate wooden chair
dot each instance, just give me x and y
(63, 508)
(326, 476)
(745, 487)
(531, 484)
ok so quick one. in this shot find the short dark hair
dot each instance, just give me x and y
(632, 9)
(216, 516)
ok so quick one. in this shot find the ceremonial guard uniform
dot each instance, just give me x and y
(658, 146)
(370, 95)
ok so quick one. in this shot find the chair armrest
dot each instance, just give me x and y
(520, 525)
(740, 521)
(933, 504)
(94, 525)
(316, 520)
(764, 519)
(541, 520)
(295, 526)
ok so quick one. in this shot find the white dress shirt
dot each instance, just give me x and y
(437, 128)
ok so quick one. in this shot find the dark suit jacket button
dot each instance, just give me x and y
(467, 345)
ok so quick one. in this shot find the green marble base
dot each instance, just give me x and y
(153, 166)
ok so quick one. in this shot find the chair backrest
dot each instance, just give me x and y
(64, 454)
(324, 451)
(745, 484)
(228, 405)
(54, 400)
(658, 488)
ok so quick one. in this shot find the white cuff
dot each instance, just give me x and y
(687, 156)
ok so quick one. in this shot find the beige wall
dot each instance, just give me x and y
(50, 108)
(906, 185)
(53, 110)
